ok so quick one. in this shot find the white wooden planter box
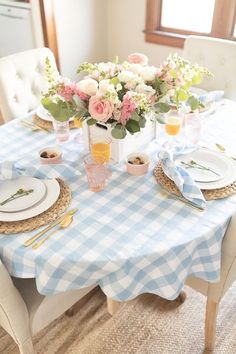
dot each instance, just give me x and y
(120, 148)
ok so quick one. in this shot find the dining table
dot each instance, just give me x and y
(130, 238)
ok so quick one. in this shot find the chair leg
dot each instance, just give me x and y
(26, 347)
(210, 324)
(112, 306)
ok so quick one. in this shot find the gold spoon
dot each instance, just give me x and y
(63, 224)
(222, 149)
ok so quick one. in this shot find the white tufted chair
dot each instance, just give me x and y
(22, 80)
(214, 292)
(219, 56)
(24, 312)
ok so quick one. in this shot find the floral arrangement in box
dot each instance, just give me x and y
(122, 94)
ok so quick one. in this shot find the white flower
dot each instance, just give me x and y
(88, 86)
(146, 89)
(104, 86)
(135, 68)
(148, 73)
(126, 76)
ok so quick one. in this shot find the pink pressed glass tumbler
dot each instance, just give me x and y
(97, 173)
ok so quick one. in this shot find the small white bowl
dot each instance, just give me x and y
(135, 169)
(53, 153)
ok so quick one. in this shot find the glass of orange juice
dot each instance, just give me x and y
(173, 123)
(101, 148)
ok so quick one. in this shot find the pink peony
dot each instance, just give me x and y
(100, 109)
(138, 58)
(127, 109)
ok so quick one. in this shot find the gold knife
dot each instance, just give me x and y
(34, 125)
(56, 222)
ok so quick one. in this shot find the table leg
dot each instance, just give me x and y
(112, 306)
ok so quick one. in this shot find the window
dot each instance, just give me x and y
(169, 22)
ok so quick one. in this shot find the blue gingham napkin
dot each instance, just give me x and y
(184, 182)
(211, 96)
(12, 170)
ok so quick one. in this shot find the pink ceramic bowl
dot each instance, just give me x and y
(132, 165)
(50, 155)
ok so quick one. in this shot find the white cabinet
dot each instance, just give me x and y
(16, 33)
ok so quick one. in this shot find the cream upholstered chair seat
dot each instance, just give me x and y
(24, 312)
(215, 291)
(217, 55)
(22, 80)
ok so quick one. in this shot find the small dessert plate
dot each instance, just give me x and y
(137, 163)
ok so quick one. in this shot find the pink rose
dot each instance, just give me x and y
(100, 109)
(138, 58)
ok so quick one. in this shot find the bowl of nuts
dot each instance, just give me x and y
(50, 155)
(137, 163)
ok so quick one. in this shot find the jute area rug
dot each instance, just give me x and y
(145, 325)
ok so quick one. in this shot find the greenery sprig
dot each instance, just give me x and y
(20, 193)
(194, 164)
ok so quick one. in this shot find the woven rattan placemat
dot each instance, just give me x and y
(48, 125)
(170, 186)
(42, 219)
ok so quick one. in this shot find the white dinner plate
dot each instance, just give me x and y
(229, 177)
(51, 196)
(214, 161)
(42, 113)
(10, 187)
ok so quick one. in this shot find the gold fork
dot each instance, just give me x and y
(63, 225)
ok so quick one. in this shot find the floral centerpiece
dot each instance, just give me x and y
(122, 94)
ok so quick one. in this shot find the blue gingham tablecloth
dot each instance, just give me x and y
(130, 238)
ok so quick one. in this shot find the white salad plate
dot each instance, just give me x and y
(216, 162)
(10, 187)
(51, 196)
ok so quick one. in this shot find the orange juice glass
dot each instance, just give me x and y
(172, 125)
(101, 148)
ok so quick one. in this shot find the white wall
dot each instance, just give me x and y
(126, 21)
(81, 31)
(98, 30)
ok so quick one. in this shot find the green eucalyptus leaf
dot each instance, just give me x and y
(118, 132)
(162, 107)
(135, 116)
(142, 121)
(160, 118)
(91, 121)
(132, 126)
(193, 102)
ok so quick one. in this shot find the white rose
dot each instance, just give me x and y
(148, 73)
(146, 89)
(104, 86)
(88, 86)
(135, 68)
(127, 76)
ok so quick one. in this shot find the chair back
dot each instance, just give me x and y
(22, 81)
(217, 55)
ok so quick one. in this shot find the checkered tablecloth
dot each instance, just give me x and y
(130, 238)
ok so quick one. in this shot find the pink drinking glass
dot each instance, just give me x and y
(62, 130)
(193, 127)
(97, 174)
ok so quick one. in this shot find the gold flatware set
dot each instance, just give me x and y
(63, 221)
(33, 126)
